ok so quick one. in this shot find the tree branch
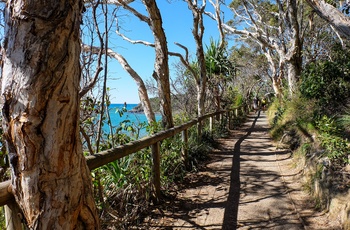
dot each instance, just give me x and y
(125, 5)
(141, 86)
(185, 61)
(332, 15)
(134, 41)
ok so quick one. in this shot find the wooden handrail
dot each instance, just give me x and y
(107, 156)
(110, 155)
(5, 194)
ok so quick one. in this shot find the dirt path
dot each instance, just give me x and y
(247, 184)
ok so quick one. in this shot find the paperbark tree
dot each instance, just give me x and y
(333, 16)
(275, 76)
(40, 93)
(198, 32)
(142, 91)
(161, 65)
(276, 25)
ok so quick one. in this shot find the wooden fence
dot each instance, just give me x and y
(107, 156)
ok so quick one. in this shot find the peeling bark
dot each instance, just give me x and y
(161, 65)
(40, 90)
(332, 15)
(198, 31)
(276, 80)
(142, 91)
(286, 39)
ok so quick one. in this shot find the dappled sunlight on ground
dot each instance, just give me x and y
(246, 184)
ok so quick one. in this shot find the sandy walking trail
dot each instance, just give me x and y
(247, 184)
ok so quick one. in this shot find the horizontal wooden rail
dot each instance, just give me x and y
(107, 156)
(5, 193)
(110, 155)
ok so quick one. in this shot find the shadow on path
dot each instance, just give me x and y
(231, 209)
(245, 184)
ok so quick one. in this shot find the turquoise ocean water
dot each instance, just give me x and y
(135, 118)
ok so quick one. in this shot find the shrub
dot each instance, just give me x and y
(328, 81)
(330, 137)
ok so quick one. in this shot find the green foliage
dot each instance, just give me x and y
(2, 218)
(337, 148)
(328, 81)
(116, 172)
(332, 2)
(216, 60)
(327, 125)
(278, 115)
(139, 172)
(344, 121)
(172, 164)
(291, 116)
(238, 100)
(154, 127)
(197, 153)
(306, 148)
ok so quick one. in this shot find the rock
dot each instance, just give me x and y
(347, 168)
(137, 109)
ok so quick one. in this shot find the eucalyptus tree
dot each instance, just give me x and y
(161, 66)
(319, 41)
(142, 90)
(201, 77)
(92, 54)
(40, 106)
(253, 69)
(185, 92)
(277, 26)
(338, 18)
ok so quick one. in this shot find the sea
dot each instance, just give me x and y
(119, 116)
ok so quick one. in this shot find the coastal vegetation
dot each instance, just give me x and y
(56, 101)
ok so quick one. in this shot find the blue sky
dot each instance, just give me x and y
(177, 23)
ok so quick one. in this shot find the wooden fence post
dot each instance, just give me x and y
(184, 149)
(228, 114)
(156, 169)
(199, 130)
(211, 120)
(12, 216)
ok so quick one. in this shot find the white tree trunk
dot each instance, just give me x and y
(161, 65)
(289, 36)
(40, 90)
(143, 95)
(333, 16)
(198, 32)
(293, 78)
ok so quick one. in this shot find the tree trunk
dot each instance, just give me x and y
(161, 65)
(294, 60)
(40, 89)
(143, 95)
(198, 31)
(293, 77)
(332, 15)
(275, 77)
(276, 85)
(142, 91)
(200, 100)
